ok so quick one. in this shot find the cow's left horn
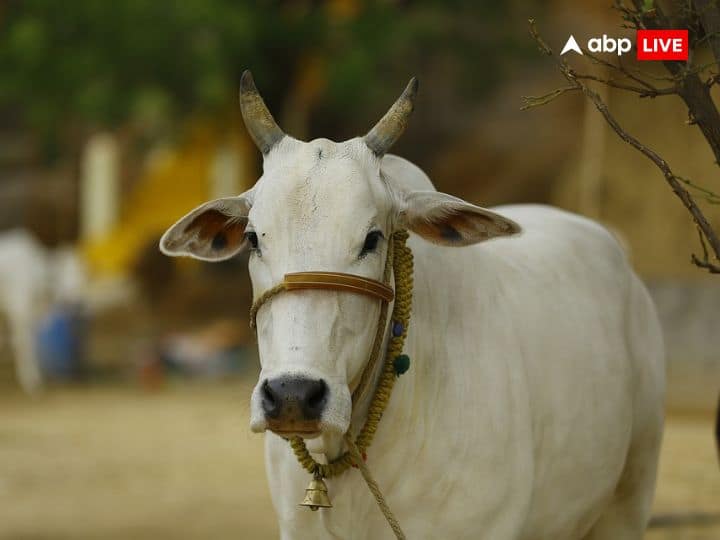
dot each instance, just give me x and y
(388, 130)
(258, 120)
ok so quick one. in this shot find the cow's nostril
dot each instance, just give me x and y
(267, 392)
(270, 401)
(317, 395)
(315, 398)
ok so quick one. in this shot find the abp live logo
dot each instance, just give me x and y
(662, 45)
(649, 45)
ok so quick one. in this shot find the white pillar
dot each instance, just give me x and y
(99, 189)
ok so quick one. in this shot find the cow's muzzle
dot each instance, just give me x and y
(294, 405)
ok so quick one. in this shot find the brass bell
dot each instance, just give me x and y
(316, 495)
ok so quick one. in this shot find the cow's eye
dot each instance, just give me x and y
(371, 242)
(251, 237)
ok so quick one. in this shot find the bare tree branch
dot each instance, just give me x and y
(694, 92)
(536, 101)
(642, 91)
(675, 182)
(622, 69)
(709, 196)
(704, 262)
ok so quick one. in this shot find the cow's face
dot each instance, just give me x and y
(319, 206)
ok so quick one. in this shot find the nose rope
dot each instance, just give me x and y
(400, 260)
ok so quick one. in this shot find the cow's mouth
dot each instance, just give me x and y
(291, 428)
(302, 434)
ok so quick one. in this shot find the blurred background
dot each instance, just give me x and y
(125, 376)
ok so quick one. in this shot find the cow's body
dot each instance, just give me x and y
(533, 407)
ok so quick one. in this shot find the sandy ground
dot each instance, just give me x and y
(117, 463)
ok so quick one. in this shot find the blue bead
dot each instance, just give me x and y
(397, 329)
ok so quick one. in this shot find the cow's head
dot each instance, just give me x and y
(319, 206)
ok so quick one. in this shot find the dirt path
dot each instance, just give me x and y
(115, 463)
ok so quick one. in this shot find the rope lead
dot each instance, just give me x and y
(375, 489)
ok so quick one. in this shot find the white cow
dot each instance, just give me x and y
(533, 408)
(31, 279)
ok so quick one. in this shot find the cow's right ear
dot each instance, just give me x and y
(214, 231)
(449, 221)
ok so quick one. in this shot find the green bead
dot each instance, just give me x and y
(401, 364)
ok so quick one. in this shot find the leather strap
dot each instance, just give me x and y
(332, 281)
(336, 281)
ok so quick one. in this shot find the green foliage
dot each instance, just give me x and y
(106, 62)
(93, 63)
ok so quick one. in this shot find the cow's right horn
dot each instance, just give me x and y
(259, 122)
(388, 130)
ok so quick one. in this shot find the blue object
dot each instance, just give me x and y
(59, 341)
(397, 329)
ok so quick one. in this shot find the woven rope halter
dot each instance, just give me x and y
(400, 262)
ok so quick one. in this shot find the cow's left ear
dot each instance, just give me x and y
(449, 221)
(214, 231)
